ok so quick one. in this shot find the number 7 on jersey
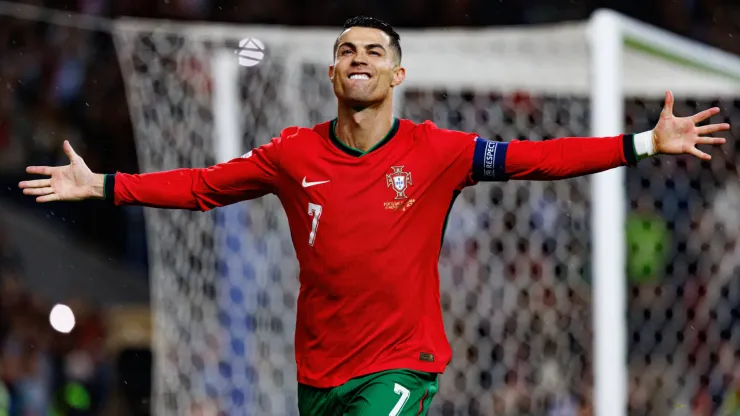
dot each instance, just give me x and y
(314, 211)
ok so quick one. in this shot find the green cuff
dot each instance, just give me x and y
(628, 147)
(109, 185)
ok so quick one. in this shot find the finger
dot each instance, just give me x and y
(39, 183)
(69, 151)
(48, 198)
(711, 140)
(38, 191)
(712, 128)
(699, 117)
(668, 106)
(39, 170)
(698, 153)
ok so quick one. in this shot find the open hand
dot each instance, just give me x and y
(678, 135)
(73, 182)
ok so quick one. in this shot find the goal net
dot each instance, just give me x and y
(535, 311)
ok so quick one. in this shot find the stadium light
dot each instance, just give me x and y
(62, 318)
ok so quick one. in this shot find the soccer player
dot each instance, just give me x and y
(367, 196)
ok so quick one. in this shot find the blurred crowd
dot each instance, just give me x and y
(44, 372)
(683, 302)
(64, 84)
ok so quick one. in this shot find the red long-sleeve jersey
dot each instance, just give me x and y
(367, 228)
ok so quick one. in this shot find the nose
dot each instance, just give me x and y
(360, 58)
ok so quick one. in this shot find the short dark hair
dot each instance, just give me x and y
(373, 23)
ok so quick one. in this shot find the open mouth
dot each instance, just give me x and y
(359, 75)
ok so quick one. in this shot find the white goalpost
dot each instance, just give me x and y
(534, 282)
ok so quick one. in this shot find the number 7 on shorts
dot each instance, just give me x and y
(405, 393)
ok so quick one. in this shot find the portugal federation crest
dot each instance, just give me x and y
(400, 181)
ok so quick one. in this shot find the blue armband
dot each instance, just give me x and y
(489, 161)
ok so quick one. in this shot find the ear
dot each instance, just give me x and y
(398, 76)
(331, 73)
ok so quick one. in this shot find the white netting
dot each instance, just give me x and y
(683, 315)
(168, 89)
(515, 262)
(516, 303)
(225, 306)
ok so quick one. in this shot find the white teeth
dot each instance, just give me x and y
(359, 76)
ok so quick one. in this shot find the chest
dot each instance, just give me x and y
(366, 200)
(364, 184)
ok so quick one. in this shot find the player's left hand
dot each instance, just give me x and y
(680, 135)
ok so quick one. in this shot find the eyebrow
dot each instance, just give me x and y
(370, 46)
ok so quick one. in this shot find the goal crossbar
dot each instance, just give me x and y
(541, 59)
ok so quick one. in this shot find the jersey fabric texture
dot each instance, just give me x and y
(367, 228)
(392, 392)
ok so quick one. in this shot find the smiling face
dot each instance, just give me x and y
(366, 67)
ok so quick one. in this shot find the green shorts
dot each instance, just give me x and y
(392, 393)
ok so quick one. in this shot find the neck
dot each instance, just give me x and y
(364, 128)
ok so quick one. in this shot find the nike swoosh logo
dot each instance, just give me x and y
(309, 184)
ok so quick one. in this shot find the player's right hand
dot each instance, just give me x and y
(73, 182)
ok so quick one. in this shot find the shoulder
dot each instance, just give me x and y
(297, 134)
(430, 134)
(301, 133)
(418, 130)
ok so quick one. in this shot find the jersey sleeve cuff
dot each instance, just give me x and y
(489, 161)
(628, 148)
(109, 186)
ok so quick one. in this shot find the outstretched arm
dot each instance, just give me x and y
(563, 158)
(250, 176)
(577, 156)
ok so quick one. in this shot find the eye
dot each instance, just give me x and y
(345, 52)
(376, 53)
